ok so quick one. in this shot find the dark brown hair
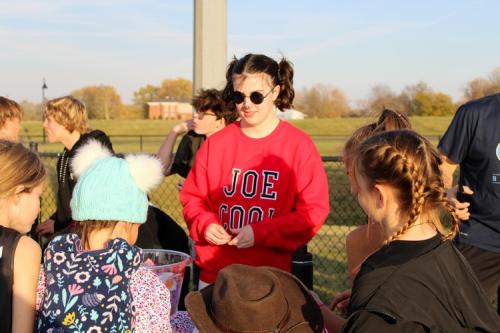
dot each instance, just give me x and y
(211, 99)
(409, 163)
(281, 75)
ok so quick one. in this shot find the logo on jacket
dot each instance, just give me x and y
(498, 151)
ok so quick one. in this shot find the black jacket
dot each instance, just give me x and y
(8, 244)
(434, 292)
(186, 151)
(65, 180)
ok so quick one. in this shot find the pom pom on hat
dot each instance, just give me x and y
(146, 171)
(86, 155)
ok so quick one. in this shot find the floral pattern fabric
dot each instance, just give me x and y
(151, 301)
(88, 291)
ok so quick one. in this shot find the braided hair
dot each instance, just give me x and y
(407, 162)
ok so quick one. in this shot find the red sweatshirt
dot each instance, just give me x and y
(276, 183)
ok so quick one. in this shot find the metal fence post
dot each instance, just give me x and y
(32, 233)
(34, 146)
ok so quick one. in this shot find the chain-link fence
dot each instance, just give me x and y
(327, 247)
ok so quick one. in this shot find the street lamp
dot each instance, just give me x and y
(44, 86)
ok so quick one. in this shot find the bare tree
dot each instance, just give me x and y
(382, 97)
(322, 101)
(481, 87)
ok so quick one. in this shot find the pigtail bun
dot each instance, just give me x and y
(227, 92)
(285, 81)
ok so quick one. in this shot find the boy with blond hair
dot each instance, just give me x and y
(66, 122)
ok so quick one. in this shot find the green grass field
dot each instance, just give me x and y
(328, 134)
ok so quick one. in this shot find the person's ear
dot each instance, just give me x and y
(220, 123)
(276, 92)
(381, 195)
(17, 194)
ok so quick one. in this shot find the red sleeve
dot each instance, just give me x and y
(195, 195)
(312, 206)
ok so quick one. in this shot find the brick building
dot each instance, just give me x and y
(170, 110)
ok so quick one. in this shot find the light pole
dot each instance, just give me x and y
(44, 86)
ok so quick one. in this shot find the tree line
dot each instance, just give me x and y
(319, 101)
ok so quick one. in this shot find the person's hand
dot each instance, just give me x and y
(183, 127)
(461, 209)
(341, 302)
(244, 237)
(46, 227)
(216, 234)
(180, 184)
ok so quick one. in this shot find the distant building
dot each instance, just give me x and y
(170, 110)
(290, 114)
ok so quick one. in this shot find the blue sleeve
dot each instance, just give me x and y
(460, 134)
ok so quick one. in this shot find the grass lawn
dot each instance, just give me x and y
(328, 134)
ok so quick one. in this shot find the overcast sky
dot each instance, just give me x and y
(352, 45)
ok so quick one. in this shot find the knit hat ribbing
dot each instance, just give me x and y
(110, 188)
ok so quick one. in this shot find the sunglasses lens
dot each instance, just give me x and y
(238, 97)
(256, 97)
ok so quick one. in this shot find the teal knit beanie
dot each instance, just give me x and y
(110, 188)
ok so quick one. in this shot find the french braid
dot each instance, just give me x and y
(407, 162)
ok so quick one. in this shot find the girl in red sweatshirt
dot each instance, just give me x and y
(258, 188)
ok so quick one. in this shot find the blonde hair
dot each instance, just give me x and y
(19, 167)
(69, 112)
(407, 162)
(9, 109)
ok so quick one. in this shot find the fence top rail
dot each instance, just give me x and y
(29, 135)
(57, 154)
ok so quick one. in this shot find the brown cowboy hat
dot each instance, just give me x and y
(254, 299)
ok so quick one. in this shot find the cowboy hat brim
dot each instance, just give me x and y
(302, 305)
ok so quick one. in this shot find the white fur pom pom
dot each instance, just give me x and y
(87, 154)
(146, 171)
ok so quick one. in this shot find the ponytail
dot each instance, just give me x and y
(390, 120)
(227, 92)
(285, 81)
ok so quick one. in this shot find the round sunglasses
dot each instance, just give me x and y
(256, 97)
